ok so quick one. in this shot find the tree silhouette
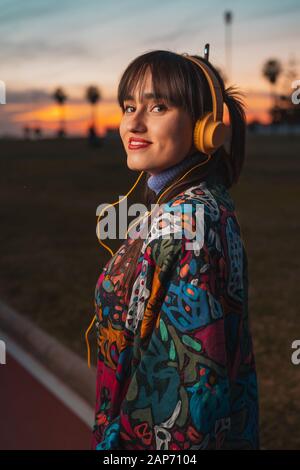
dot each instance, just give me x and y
(271, 71)
(60, 97)
(93, 95)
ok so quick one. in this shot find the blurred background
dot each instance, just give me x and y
(61, 156)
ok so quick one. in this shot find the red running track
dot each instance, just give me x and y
(31, 417)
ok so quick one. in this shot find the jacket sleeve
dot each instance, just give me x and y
(178, 397)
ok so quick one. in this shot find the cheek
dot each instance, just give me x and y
(167, 131)
(122, 129)
(175, 132)
(184, 132)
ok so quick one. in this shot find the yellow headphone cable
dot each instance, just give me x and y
(148, 214)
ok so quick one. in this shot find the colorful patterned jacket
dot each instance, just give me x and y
(175, 365)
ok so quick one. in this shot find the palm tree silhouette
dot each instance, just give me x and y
(271, 71)
(60, 97)
(93, 95)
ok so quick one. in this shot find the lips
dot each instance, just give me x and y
(138, 143)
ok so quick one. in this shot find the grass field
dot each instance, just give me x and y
(51, 259)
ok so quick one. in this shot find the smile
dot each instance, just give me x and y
(136, 144)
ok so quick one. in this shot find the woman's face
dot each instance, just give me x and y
(167, 130)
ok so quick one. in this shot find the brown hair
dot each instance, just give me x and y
(183, 84)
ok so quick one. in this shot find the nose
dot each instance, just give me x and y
(136, 122)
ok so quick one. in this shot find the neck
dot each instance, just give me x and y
(160, 180)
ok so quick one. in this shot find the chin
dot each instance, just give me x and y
(135, 164)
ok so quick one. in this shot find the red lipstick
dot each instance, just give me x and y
(138, 143)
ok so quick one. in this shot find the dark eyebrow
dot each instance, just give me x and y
(147, 96)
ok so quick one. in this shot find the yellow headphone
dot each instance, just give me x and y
(209, 134)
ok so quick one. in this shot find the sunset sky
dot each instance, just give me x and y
(73, 44)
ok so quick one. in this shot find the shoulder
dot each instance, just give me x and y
(185, 223)
(185, 212)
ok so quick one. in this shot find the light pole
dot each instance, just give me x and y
(228, 42)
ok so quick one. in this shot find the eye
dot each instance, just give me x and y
(126, 109)
(160, 105)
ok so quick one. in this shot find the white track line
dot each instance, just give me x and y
(70, 399)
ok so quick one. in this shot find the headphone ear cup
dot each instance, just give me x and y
(209, 135)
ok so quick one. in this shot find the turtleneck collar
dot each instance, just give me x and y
(160, 180)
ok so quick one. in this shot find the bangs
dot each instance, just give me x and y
(173, 79)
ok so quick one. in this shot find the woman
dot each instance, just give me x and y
(175, 367)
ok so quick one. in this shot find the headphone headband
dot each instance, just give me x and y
(216, 92)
